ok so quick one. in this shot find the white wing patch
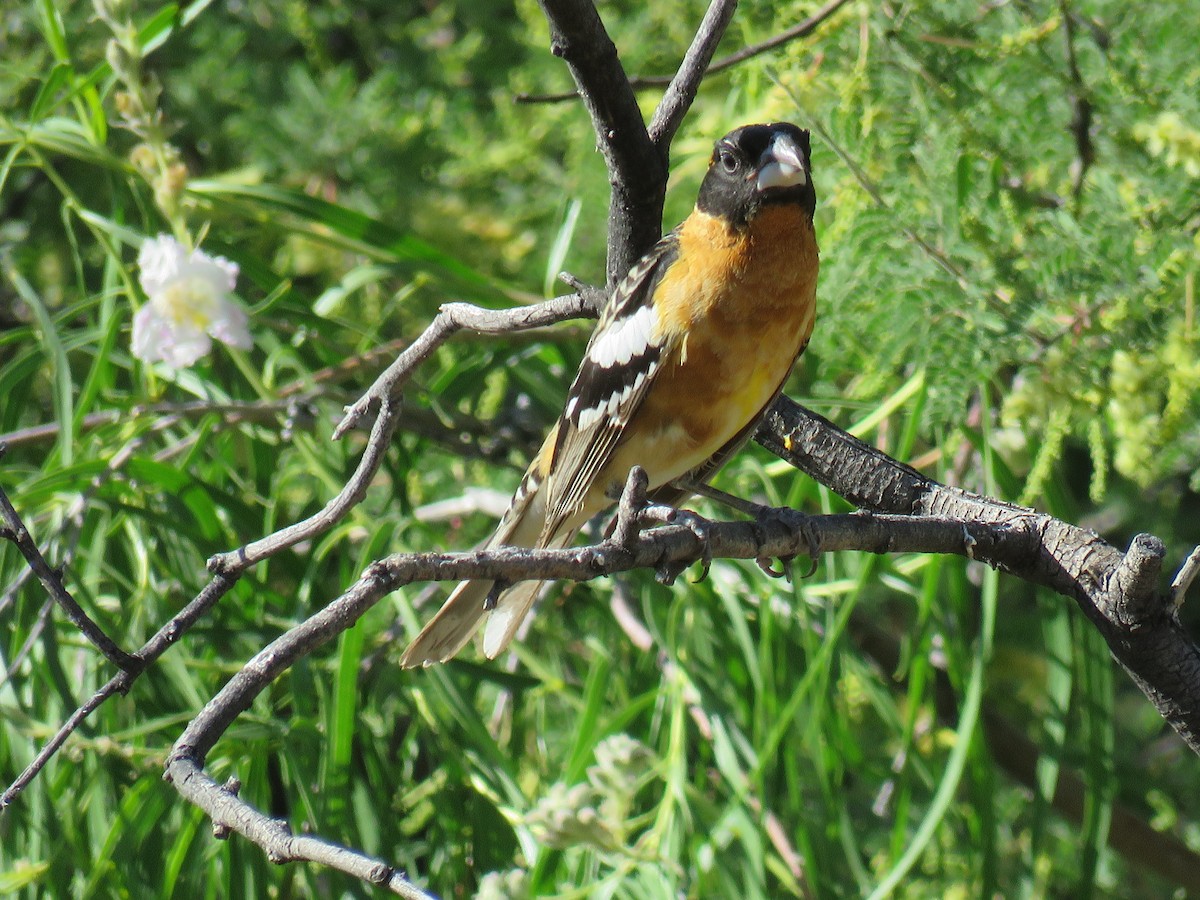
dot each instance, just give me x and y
(610, 409)
(626, 339)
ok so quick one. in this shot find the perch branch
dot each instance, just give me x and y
(666, 548)
(1005, 542)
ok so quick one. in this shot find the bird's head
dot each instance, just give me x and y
(758, 165)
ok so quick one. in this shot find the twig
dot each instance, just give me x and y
(382, 400)
(170, 413)
(451, 318)
(14, 530)
(331, 513)
(645, 82)
(1186, 575)
(1081, 108)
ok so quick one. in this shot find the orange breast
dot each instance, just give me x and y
(736, 308)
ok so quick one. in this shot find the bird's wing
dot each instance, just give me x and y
(619, 366)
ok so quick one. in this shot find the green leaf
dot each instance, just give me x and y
(48, 95)
(60, 370)
(52, 30)
(367, 234)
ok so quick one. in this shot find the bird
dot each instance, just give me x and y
(691, 349)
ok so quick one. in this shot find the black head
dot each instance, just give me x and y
(756, 165)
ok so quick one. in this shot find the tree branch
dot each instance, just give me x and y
(158, 644)
(637, 169)
(230, 813)
(452, 318)
(1118, 592)
(667, 549)
(1081, 108)
(645, 82)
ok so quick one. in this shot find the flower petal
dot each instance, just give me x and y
(156, 338)
(159, 260)
(231, 326)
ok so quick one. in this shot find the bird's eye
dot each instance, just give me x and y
(728, 161)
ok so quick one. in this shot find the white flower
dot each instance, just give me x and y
(190, 304)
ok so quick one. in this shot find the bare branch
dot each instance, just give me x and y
(167, 414)
(1081, 108)
(382, 401)
(236, 561)
(158, 644)
(667, 546)
(666, 549)
(1186, 575)
(451, 318)
(682, 91)
(230, 813)
(229, 566)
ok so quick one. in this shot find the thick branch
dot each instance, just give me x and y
(1118, 592)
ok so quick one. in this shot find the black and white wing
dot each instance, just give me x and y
(619, 365)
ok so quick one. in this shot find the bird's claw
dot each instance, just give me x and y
(697, 525)
(798, 523)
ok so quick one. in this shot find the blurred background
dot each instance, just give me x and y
(1008, 210)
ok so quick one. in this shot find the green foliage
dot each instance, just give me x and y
(363, 163)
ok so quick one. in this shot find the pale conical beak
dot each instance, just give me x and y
(781, 165)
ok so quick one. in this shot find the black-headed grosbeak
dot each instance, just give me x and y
(691, 350)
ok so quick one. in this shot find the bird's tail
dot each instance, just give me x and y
(459, 618)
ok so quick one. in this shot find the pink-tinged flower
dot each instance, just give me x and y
(190, 304)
